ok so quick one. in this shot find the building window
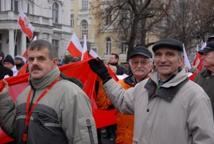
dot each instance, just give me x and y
(108, 45)
(55, 12)
(30, 7)
(84, 28)
(107, 17)
(124, 18)
(15, 5)
(72, 20)
(84, 4)
(55, 44)
(124, 47)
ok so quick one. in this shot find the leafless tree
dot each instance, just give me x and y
(189, 21)
(131, 19)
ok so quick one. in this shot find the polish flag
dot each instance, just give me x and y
(85, 54)
(74, 46)
(93, 54)
(197, 63)
(25, 25)
(88, 54)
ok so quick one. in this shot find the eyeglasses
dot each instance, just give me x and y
(141, 62)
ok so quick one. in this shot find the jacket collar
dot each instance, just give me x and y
(46, 80)
(167, 90)
(130, 80)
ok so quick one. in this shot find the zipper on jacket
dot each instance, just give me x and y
(88, 123)
(31, 102)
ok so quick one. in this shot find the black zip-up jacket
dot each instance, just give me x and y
(206, 81)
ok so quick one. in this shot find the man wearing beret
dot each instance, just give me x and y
(168, 108)
(206, 78)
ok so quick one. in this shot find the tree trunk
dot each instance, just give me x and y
(133, 34)
(143, 32)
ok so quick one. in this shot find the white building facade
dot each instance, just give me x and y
(51, 20)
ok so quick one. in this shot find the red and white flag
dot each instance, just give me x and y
(197, 63)
(25, 25)
(74, 46)
(93, 53)
(85, 54)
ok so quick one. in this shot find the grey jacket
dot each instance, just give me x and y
(176, 112)
(62, 116)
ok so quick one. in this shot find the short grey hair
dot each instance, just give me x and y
(42, 44)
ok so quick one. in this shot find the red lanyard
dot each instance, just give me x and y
(29, 110)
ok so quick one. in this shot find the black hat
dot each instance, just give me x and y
(208, 48)
(9, 59)
(210, 38)
(140, 50)
(168, 43)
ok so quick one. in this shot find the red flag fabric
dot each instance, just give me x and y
(198, 65)
(25, 25)
(93, 54)
(86, 56)
(198, 62)
(23, 70)
(79, 70)
(74, 46)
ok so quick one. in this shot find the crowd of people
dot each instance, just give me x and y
(156, 102)
(9, 66)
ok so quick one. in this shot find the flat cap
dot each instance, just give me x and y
(208, 48)
(168, 43)
(140, 50)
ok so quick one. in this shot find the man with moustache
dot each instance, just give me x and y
(50, 110)
(140, 63)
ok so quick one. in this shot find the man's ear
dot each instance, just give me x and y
(181, 61)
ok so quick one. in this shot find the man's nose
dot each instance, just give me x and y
(162, 58)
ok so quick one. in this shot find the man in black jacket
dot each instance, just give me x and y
(206, 77)
(3, 70)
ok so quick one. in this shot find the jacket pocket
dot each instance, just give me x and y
(87, 131)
